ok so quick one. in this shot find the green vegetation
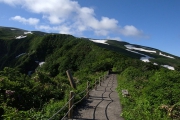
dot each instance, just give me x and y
(119, 47)
(8, 33)
(153, 94)
(46, 90)
(32, 91)
(36, 97)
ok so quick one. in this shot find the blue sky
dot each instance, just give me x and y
(153, 23)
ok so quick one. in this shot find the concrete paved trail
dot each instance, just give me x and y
(103, 103)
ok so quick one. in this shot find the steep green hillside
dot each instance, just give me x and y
(7, 33)
(30, 89)
(160, 57)
(34, 85)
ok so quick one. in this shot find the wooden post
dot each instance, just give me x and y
(71, 80)
(102, 79)
(95, 85)
(71, 102)
(87, 89)
(99, 81)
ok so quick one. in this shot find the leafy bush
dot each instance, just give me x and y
(152, 93)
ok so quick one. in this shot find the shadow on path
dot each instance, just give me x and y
(103, 103)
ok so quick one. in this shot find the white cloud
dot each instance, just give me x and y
(130, 30)
(44, 27)
(101, 32)
(71, 17)
(30, 21)
(114, 38)
(63, 29)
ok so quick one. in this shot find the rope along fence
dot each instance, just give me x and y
(71, 103)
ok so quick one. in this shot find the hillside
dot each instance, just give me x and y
(16, 43)
(143, 53)
(33, 70)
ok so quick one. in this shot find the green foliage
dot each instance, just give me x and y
(149, 92)
(43, 92)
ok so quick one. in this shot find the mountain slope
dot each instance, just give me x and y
(146, 54)
(33, 68)
(28, 46)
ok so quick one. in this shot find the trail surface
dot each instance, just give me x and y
(103, 103)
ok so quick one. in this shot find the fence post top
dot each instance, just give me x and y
(72, 93)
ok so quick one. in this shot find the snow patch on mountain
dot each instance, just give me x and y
(136, 52)
(139, 49)
(20, 37)
(100, 41)
(166, 55)
(41, 63)
(169, 67)
(29, 32)
(20, 55)
(145, 58)
(155, 64)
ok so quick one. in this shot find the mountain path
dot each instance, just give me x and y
(103, 103)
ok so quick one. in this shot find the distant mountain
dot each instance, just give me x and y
(26, 50)
(143, 53)
(8, 33)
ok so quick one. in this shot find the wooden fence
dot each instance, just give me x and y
(72, 95)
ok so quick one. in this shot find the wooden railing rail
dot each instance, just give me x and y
(71, 103)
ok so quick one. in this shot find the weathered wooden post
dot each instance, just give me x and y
(99, 81)
(71, 80)
(95, 84)
(71, 102)
(87, 90)
(108, 72)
